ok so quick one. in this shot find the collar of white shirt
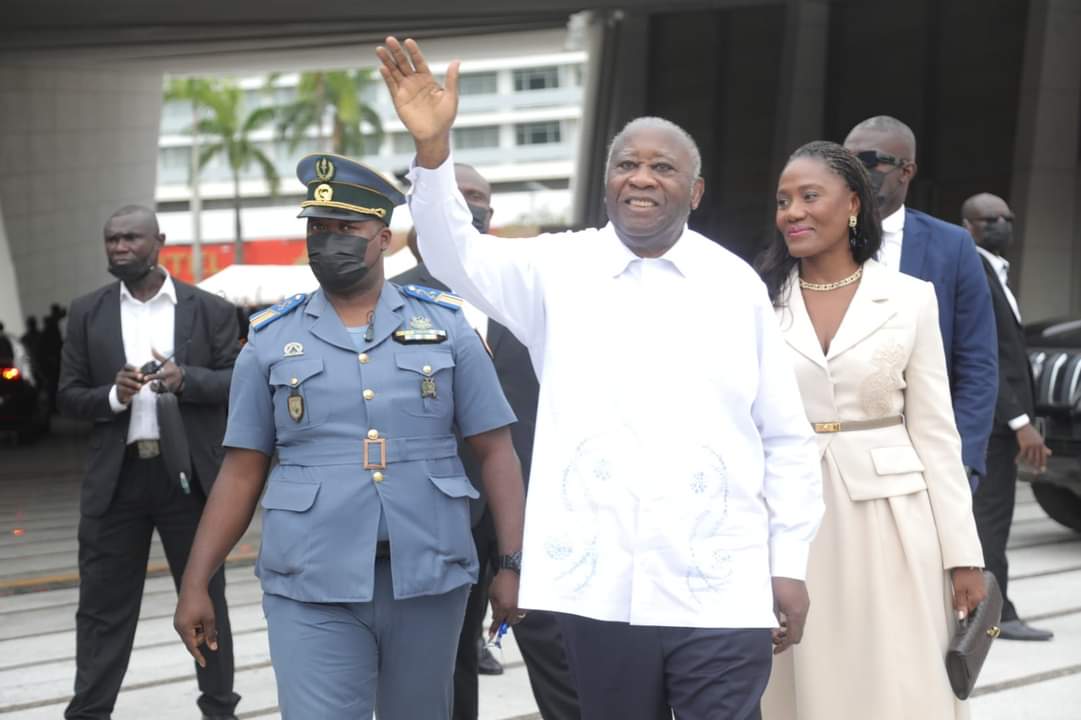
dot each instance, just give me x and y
(168, 289)
(895, 222)
(999, 264)
(681, 255)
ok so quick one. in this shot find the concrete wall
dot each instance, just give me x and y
(75, 144)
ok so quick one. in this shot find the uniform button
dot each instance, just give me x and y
(427, 369)
(369, 394)
(363, 357)
(294, 382)
(373, 434)
(377, 476)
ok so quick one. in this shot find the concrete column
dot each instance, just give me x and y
(76, 143)
(801, 86)
(1046, 188)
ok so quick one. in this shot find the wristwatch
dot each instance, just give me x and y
(510, 562)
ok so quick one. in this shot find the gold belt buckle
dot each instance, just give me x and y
(147, 449)
(381, 443)
(827, 427)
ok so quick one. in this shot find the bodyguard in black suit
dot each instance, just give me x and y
(538, 634)
(127, 493)
(1013, 436)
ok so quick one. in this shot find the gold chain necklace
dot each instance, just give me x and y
(826, 287)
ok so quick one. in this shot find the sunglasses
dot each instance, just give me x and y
(873, 158)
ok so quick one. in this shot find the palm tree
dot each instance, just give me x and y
(337, 93)
(192, 90)
(228, 127)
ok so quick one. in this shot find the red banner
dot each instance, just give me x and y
(218, 256)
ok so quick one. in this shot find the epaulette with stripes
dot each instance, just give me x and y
(263, 318)
(438, 297)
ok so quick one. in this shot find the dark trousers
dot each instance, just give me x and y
(466, 686)
(637, 672)
(113, 552)
(992, 504)
(541, 641)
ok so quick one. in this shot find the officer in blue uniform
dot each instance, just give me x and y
(367, 555)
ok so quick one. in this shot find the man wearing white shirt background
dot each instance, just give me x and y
(675, 484)
(127, 493)
(1013, 437)
(538, 635)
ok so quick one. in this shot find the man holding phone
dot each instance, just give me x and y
(128, 342)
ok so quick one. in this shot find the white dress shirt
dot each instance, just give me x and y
(674, 469)
(893, 231)
(1001, 266)
(145, 326)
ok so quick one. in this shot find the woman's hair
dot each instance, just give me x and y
(774, 264)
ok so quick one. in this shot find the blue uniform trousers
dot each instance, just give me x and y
(638, 672)
(339, 661)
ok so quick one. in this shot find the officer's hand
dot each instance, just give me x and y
(1032, 450)
(128, 382)
(169, 378)
(503, 593)
(426, 108)
(790, 605)
(194, 622)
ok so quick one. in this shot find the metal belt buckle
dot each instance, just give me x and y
(381, 443)
(148, 449)
(828, 427)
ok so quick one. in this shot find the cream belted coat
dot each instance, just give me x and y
(898, 512)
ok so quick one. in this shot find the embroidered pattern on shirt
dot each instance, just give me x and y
(711, 564)
(878, 390)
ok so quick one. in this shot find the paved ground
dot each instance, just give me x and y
(38, 592)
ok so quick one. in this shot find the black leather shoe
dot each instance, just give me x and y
(487, 664)
(1018, 630)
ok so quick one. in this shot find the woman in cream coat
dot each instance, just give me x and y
(897, 558)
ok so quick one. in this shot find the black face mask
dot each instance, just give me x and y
(131, 272)
(480, 217)
(878, 178)
(997, 237)
(337, 260)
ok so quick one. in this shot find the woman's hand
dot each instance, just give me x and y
(969, 589)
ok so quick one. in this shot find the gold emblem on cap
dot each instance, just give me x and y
(324, 193)
(324, 169)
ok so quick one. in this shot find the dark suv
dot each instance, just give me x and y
(24, 402)
(1055, 355)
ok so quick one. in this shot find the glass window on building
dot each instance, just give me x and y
(482, 83)
(483, 136)
(538, 133)
(536, 78)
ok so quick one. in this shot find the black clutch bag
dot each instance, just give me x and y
(970, 643)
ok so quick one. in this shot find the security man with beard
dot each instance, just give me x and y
(366, 557)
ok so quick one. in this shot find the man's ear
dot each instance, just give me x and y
(697, 189)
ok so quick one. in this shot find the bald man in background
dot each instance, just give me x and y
(1014, 437)
(943, 254)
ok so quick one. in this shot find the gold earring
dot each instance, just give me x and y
(852, 221)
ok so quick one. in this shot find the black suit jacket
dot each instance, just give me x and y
(516, 375)
(1016, 392)
(94, 352)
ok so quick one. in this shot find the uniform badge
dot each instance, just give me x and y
(427, 388)
(293, 349)
(295, 403)
(420, 331)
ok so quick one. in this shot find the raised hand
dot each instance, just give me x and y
(426, 108)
